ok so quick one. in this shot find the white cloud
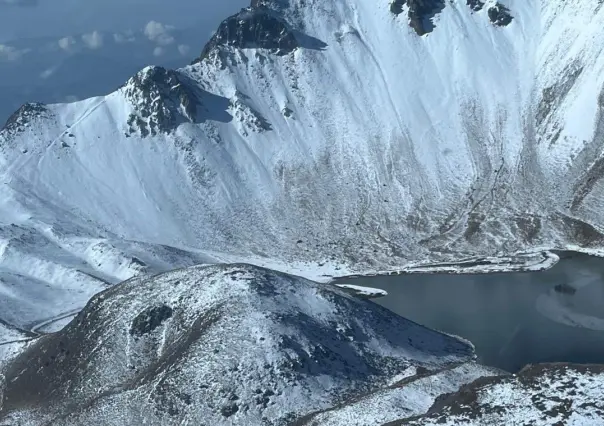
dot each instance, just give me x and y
(93, 40)
(159, 33)
(184, 49)
(11, 53)
(47, 73)
(119, 38)
(126, 37)
(158, 51)
(67, 43)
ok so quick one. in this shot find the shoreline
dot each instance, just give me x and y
(541, 260)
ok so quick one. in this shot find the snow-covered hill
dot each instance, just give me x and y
(317, 136)
(224, 344)
(243, 345)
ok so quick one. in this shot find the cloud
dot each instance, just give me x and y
(47, 73)
(93, 40)
(158, 51)
(184, 49)
(26, 3)
(126, 37)
(67, 43)
(159, 33)
(10, 53)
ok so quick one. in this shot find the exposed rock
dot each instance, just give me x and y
(396, 6)
(150, 319)
(287, 113)
(552, 96)
(23, 116)
(229, 410)
(545, 394)
(500, 15)
(161, 101)
(529, 227)
(249, 118)
(421, 13)
(253, 28)
(475, 5)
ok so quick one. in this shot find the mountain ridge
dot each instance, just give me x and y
(336, 156)
(314, 137)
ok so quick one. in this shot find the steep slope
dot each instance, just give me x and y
(544, 395)
(404, 398)
(12, 341)
(230, 344)
(357, 135)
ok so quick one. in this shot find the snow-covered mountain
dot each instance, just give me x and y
(224, 344)
(312, 136)
(316, 133)
(316, 137)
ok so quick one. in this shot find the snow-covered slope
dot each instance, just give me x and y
(404, 398)
(224, 344)
(540, 395)
(358, 135)
(12, 341)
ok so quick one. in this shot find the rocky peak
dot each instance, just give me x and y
(161, 100)
(23, 116)
(252, 28)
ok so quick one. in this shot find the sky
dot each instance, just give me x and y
(63, 50)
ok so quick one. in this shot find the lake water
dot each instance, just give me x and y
(513, 319)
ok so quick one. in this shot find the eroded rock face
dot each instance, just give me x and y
(500, 15)
(149, 319)
(421, 13)
(253, 27)
(475, 5)
(23, 116)
(161, 101)
(396, 6)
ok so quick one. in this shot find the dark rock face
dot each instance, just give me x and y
(150, 319)
(162, 100)
(553, 96)
(500, 15)
(421, 13)
(252, 28)
(396, 6)
(20, 118)
(475, 5)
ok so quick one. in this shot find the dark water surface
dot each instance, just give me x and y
(513, 319)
